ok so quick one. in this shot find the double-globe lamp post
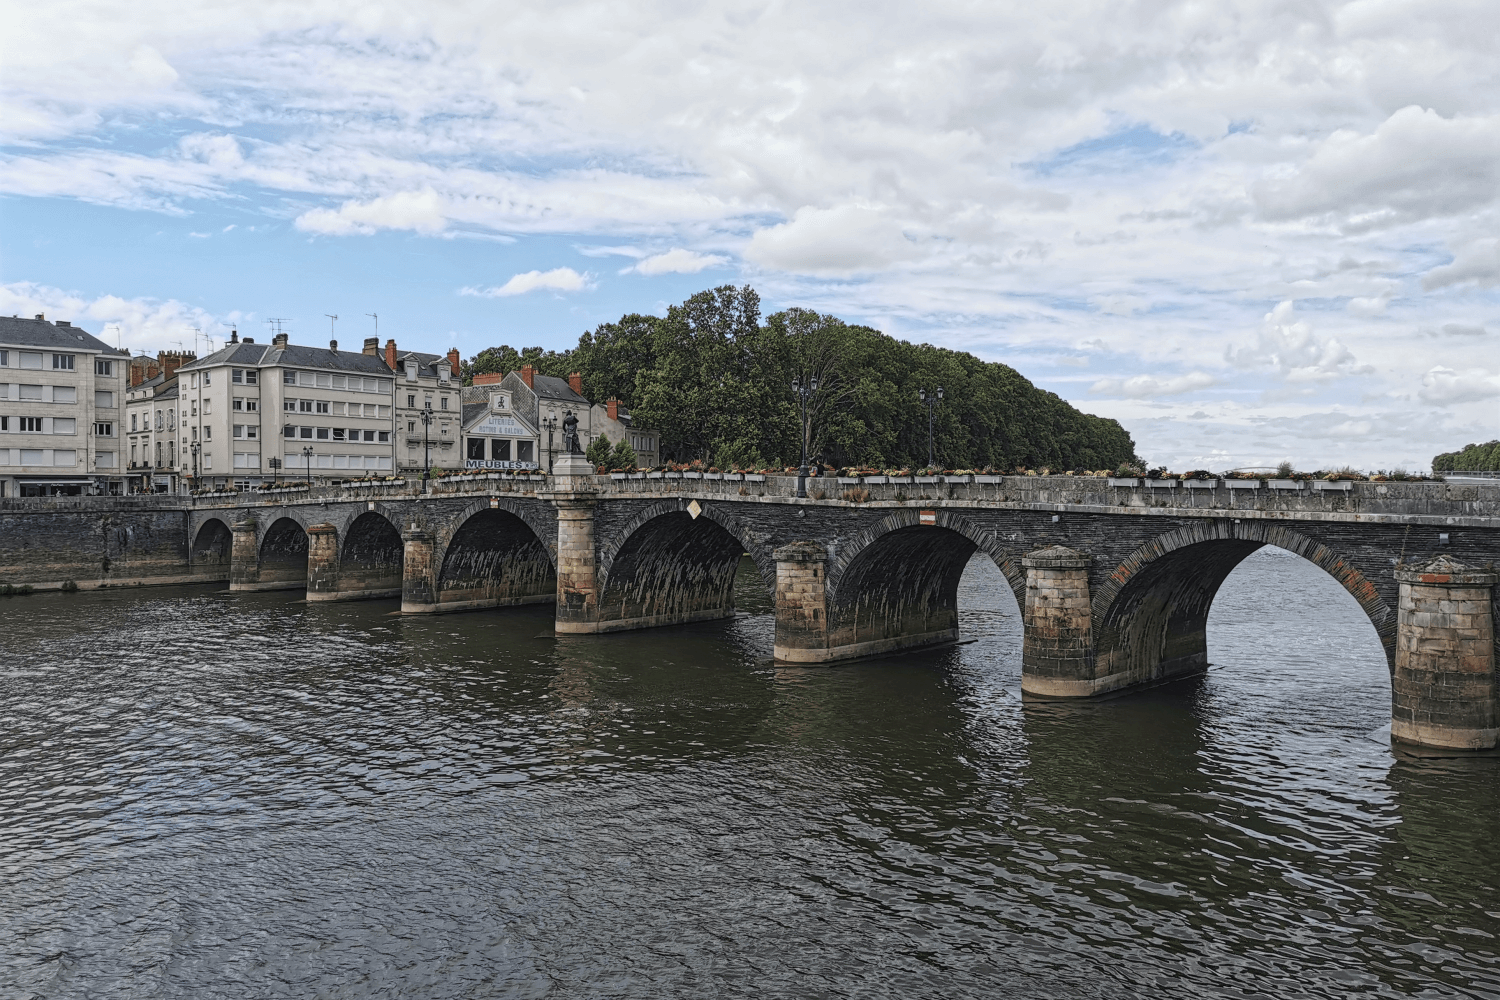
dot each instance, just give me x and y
(307, 454)
(804, 393)
(425, 413)
(931, 399)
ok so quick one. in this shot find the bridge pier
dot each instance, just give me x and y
(577, 566)
(244, 556)
(1443, 693)
(322, 563)
(802, 603)
(1057, 645)
(419, 572)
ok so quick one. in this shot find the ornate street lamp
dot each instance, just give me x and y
(194, 449)
(803, 394)
(307, 454)
(931, 399)
(275, 466)
(425, 414)
(551, 424)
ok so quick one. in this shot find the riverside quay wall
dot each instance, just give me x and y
(1114, 579)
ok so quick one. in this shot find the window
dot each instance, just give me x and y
(252, 431)
(208, 378)
(338, 382)
(252, 405)
(31, 425)
(290, 405)
(132, 423)
(289, 378)
(238, 404)
(324, 382)
(476, 448)
(307, 378)
(289, 431)
(411, 426)
(523, 451)
(208, 461)
(195, 407)
(369, 435)
(383, 412)
(104, 429)
(208, 407)
(62, 362)
(31, 359)
(338, 434)
(64, 425)
(411, 401)
(103, 367)
(323, 406)
(239, 430)
(208, 432)
(411, 375)
(304, 432)
(171, 420)
(105, 460)
(500, 450)
(64, 394)
(338, 410)
(104, 400)
(4, 423)
(304, 405)
(322, 433)
(237, 375)
(159, 424)
(65, 459)
(252, 377)
(445, 403)
(4, 359)
(31, 392)
(384, 436)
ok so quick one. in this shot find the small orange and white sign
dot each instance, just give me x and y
(927, 517)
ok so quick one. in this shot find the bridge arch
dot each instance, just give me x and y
(1150, 614)
(370, 557)
(895, 583)
(493, 555)
(212, 546)
(283, 552)
(663, 566)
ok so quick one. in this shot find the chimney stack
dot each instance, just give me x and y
(453, 362)
(528, 375)
(575, 382)
(614, 408)
(488, 378)
(280, 340)
(152, 370)
(137, 373)
(390, 354)
(372, 346)
(333, 345)
(234, 336)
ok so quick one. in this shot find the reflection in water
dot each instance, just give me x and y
(248, 795)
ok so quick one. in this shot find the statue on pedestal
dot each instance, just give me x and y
(570, 434)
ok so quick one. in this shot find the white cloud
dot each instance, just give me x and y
(1151, 386)
(831, 241)
(139, 324)
(1479, 263)
(1446, 387)
(559, 279)
(678, 261)
(1289, 347)
(420, 211)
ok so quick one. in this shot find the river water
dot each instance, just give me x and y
(205, 794)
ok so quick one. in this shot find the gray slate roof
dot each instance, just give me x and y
(18, 332)
(549, 387)
(292, 356)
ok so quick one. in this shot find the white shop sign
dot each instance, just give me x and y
(508, 426)
(480, 463)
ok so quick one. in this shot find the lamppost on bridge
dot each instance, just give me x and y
(194, 449)
(551, 424)
(425, 414)
(803, 393)
(307, 454)
(931, 399)
(274, 464)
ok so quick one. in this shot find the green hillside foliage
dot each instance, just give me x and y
(715, 380)
(1471, 458)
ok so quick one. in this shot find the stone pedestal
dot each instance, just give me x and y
(802, 603)
(419, 572)
(1443, 693)
(244, 556)
(322, 562)
(1057, 650)
(577, 560)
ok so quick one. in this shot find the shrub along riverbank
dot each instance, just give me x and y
(715, 379)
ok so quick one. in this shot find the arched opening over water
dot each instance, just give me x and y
(283, 553)
(211, 548)
(370, 557)
(495, 559)
(672, 568)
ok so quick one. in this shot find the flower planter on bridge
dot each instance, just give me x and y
(1128, 483)
(1160, 484)
(875, 479)
(751, 477)
(692, 475)
(848, 480)
(957, 479)
(902, 480)
(1285, 484)
(1242, 484)
(989, 479)
(1200, 484)
(733, 477)
(1341, 485)
(926, 479)
(713, 475)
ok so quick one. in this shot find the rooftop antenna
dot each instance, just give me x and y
(332, 319)
(376, 318)
(196, 334)
(275, 324)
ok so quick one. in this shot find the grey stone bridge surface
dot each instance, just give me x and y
(1114, 583)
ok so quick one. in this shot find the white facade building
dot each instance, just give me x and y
(61, 400)
(256, 412)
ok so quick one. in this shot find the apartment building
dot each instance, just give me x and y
(256, 412)
(515, 421)
(428, 407)
(61, 397)
(153, 461)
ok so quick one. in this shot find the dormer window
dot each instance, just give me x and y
(411, 371)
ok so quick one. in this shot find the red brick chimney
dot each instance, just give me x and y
(453, 362)
(488, 378)
(137, 373)
(614, 408)
(390, 354)
(171, 363)
(152, 370)
(528, 375)
(575, 382)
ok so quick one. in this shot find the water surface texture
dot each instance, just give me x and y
(205, 794)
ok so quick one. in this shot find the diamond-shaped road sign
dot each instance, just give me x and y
(694, 509)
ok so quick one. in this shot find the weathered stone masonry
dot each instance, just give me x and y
(1115, 585)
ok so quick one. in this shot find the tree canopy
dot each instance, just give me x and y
(716, 381)
(1470, 458)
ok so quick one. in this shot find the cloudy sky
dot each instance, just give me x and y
(1251, 231)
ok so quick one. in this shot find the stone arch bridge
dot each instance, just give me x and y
(1115, 583)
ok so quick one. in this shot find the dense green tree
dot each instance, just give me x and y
(623, 457)
(1470, 458)
(598, 451)
(716, 383)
